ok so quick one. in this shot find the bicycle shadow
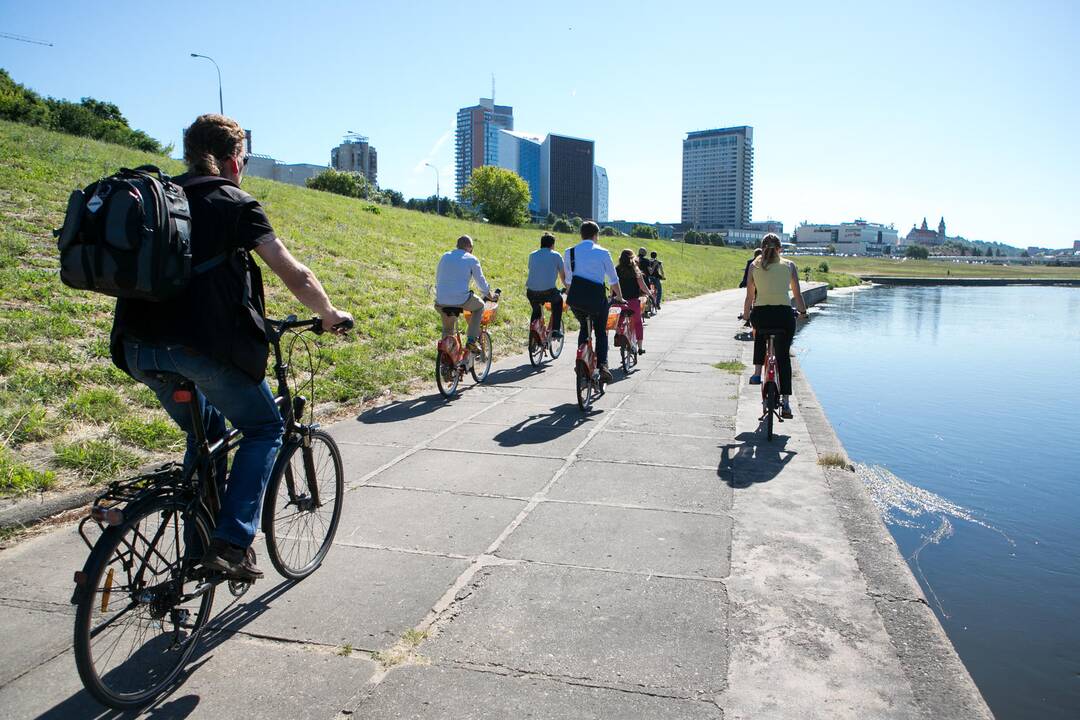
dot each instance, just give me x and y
(507, 376)
(402, 410)
(542, 427)
(753, 459)
(220, 628)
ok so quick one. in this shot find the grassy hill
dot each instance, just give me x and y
(67, 415)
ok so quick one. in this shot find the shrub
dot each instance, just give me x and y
(349, 184)
(917, 252)
(823, 266)
(561, 225)
(608, 231)
(646, 232)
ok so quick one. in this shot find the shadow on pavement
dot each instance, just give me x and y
(219, 629)
(403, 410)
(543, 427)
(512, 375)
(753, 459)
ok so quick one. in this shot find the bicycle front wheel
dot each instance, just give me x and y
(482, 361)
(138, 615)
(555, 346)
(303, 505)
(536, 350)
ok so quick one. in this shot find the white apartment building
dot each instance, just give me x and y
(851, 238)
(718, 179)
(600, 194)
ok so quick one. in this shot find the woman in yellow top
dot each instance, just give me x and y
(767, 292)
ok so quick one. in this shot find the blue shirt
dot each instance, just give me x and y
(544, 267)
(456, 269)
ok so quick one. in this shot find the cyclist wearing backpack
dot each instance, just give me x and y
(212, 332)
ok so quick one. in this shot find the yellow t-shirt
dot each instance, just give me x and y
(773, 283)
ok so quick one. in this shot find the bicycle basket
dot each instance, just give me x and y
(612, 318)
(489, 315)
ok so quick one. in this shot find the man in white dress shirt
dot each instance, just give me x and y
(452, 278)
(590, 265)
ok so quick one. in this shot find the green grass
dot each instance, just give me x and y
(732, 366)
(157, 433)
(378, 265)
(933, 268)
(17, 478)
(95, 460)
(833, 460)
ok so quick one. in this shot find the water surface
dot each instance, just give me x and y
(972, 395)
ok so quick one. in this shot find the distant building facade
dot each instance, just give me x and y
(566, 176)
(264, 166)
(767, 226)
(600, 194)
(718, 178)
(356, 155)
(925, 236)
(476, 142)
(521, 153)
(851, 238)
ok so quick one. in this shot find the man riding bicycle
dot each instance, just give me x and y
(457, 268)
(545, 265)
(589, 265)
(213, 333)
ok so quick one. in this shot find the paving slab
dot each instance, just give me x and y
(363, 597)
(678, 450)
(437, 692)
(516, 416)
(31, 637)
(404, 434)
(668, 423)
(436, 522)
(554, 397)
(646, 486)
(683, 402)
(509, 475)
(43, 568)
(432, 406)
(628, 539)
(236, 678)
(538, 442)
(359, 460)
(627, 631)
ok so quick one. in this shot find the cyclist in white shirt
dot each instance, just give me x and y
(457, 268)
(588, 265)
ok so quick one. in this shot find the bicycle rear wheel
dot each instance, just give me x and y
(299, 530)
(584, 391)
(447, 376)
(771, 403)
(137, 618)
(536, 350)
(482, 362)
(555, 346)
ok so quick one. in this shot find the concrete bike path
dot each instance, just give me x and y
(503, 556)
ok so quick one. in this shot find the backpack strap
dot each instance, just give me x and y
(207, 265)
(571, 261)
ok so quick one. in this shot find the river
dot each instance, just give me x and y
(962, 407)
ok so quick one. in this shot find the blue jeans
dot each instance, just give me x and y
(223, 391)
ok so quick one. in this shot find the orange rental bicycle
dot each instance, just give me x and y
(453, 359)
(541, 340)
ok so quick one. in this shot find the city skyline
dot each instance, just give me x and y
(886, 113)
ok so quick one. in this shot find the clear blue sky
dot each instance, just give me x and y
(882, 110)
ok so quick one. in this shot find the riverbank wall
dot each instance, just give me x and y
(970, 281)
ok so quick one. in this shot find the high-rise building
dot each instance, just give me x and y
(477, 140)
(566, 176)
(521, 153)
(718, 178)
(600, 194)
(356, 155)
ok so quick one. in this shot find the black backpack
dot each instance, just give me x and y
(129, 236)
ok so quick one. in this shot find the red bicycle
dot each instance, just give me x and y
(590, 385)
(770, 385)
(625, 337)
(453, 359)
(541, 339)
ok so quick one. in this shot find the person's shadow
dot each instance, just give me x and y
(542, 427)
(512, 375)
(402, 410)
(753, 459)
(218, 629)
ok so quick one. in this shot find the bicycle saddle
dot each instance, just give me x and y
(452, 310)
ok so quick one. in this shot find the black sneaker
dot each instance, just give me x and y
(641, 351)
(236, 562)
(557, 334)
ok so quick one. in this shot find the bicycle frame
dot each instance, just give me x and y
(586, 356)
(625, 328)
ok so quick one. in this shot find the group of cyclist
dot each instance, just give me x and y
(213, 333)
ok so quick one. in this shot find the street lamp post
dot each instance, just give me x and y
(438, 199)
(221, 105)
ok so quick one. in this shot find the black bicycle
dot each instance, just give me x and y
(143, 598)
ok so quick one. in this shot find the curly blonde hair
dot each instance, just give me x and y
(210, 141)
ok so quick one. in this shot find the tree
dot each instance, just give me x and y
(500, 194)
(349, 184)
(887, 250)
(562, 225)
(576, 222)
(916, 252)
(823, 266)
(831, 248)
(693, 237)
(608, 231)
(394, 197)
(714, 238)
(550, 219)
(645, 232)
(1025, 254)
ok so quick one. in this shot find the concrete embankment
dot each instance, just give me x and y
(972, 281)
(657, 557)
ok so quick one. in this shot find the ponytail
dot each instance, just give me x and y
(770, 250)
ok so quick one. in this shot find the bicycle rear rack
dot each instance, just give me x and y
(108, 507)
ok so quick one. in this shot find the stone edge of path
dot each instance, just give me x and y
(939, 680)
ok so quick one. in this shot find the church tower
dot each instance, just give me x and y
(941, 229)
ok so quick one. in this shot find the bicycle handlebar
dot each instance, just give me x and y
(314, 325)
